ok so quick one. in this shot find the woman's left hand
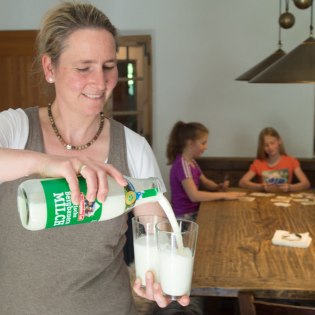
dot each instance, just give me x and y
(153, 292)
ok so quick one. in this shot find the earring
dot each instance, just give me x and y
(50, 80)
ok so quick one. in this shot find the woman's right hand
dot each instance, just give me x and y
(94, 172)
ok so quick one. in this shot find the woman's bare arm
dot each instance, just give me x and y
(16, 164)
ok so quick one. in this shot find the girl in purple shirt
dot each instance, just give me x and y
(187, 142)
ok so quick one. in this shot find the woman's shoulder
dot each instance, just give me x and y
(132, 134)
(141, 160)
(14, 128)
(13, 114)
(13, 119)
(134, 141)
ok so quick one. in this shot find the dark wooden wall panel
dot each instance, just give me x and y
(19, 84)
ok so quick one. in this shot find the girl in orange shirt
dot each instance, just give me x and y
(273, 167)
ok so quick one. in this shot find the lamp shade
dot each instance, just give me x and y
(264, 64)
(298, 66)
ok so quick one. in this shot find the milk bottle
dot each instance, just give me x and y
(46, 203)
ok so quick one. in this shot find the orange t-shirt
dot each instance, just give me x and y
(282, 172)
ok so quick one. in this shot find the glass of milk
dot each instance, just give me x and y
(145, 246)
(176, 253)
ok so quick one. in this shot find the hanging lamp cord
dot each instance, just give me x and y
(279, 33)
(311, 25)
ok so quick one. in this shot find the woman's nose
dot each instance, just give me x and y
(100, 80)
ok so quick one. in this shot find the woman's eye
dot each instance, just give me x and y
(82, 69)
(108, 67)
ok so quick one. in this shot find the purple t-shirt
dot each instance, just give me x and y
(181, 170)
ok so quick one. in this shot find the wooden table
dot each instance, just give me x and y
(235, 253)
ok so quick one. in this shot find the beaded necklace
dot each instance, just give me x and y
(69, 146)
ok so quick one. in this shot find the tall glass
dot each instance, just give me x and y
(177, 253)
(145, 246)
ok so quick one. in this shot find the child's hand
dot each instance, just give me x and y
(268, 187)
(224, 186)
(284, 187)
(232, 195)
(272, 187)
(226, 183)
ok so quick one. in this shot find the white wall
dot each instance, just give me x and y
(199, 48)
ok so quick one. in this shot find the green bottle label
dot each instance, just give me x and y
(61, 211)
(131, 196)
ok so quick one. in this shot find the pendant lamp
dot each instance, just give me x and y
(286, 19)
(298, 66)
(264, 64)
(302, 4)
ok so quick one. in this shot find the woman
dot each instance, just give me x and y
(78, 269)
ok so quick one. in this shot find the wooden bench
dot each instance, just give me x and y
(216, 167)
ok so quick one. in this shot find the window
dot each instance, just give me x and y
(131, 103)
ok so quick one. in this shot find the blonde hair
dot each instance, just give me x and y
(60, 22)
(180, 134)
(268, 131)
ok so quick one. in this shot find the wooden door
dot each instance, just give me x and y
(19, 85)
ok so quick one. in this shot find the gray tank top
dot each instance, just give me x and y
(76, 270)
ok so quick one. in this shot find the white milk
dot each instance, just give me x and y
(175, 267)
(176, 272)
(173, 221)
(146, 257)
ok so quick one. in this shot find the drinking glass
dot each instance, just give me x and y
(145, 246)
(176, 248)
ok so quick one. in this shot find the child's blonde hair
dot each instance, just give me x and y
(269, 131)
(180, 134)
